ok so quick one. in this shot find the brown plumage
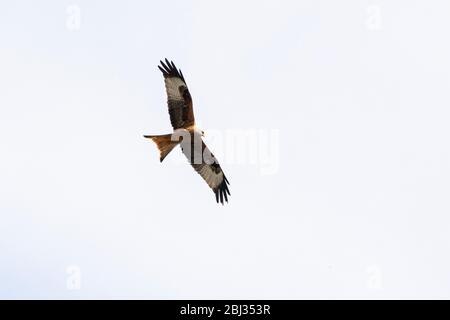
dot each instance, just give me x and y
(178, 97)
(181, 113)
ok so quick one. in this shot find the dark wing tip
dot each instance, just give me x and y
(164, 72)
(222, 191)
(169, 69)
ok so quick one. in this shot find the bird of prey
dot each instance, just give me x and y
(187, 134)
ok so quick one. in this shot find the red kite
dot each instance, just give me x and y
(187, 134)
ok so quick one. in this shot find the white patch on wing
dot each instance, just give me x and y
(213, 179)
(172, 85)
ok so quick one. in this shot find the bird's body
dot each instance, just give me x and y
(187, 134)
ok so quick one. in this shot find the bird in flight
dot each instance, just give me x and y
(187, 134)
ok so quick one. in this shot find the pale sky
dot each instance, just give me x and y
(330, 119)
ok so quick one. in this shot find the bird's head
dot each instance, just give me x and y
(199, 131)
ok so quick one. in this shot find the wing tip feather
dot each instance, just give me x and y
(222, 190)
(169, 69)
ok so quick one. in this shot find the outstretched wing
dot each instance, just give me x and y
(178, 96)
(208, 167)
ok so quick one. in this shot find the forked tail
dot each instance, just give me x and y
(164, 143)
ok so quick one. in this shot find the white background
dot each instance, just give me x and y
(357, 207)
